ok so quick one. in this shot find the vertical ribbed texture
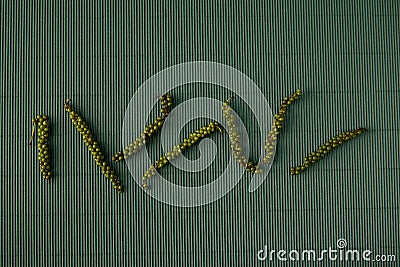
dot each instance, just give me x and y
(345, 58)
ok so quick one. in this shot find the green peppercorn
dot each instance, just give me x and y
(92, 145)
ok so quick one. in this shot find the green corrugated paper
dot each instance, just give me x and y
(344, 55)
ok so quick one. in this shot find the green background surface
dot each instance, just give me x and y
(344, 56)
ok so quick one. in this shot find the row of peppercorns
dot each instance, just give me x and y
(325, 149)
(93, 145)
(270, 142)
(139, 142)
(192, 139)
(235, 140)
(43, 144)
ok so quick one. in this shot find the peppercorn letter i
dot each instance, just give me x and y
(43, 144)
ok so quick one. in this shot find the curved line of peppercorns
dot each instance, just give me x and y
(135, 146)
(193, 138)
(43, 144)
(270, 142)
(325, 149)
(235, 140)
(93, 146)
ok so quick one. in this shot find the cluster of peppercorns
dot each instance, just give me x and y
(93, 146)
(166, 105)
(325, 149)
(43, 144)
(235, 140)
(135, 146)
(193, 138)
(272, 137)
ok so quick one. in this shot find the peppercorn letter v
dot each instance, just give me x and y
(270, 142)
